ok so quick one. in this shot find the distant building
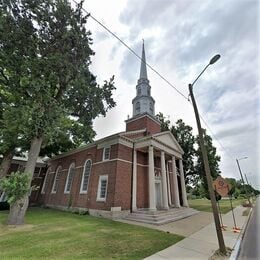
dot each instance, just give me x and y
(18, 164)
(140, 168)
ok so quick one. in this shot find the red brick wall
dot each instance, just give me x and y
(142, 187)
(151, 126)
(59, 198)
(123, 185)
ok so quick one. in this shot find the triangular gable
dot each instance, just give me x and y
(168, 139)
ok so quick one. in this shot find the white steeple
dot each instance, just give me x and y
(143, 70)
(143, 102)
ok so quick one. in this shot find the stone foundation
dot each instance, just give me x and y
(114, 213)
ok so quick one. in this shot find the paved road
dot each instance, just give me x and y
(250, 246)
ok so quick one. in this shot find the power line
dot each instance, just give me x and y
(154, 70)
(131, 50)
(227, 152)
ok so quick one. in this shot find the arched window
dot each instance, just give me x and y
(139, 91)
(85, 176)
(46, 181)
(70, 176)
(56, 180)
(137, 107)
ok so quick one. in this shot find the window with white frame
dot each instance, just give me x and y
(46, 181)
(85, 176)
(102, 188)
(70, 176)
(106, 153)
(56, 180)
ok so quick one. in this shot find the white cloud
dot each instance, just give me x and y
(180, 37)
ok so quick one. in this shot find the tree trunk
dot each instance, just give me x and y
(18, 209)
(6, 163)
(17, 212)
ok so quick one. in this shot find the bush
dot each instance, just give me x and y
(15, 186)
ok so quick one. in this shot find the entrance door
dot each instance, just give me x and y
(158, 193)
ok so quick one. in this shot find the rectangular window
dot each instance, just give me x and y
(106, 153)
(102, 188)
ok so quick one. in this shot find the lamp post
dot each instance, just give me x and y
(242, 179)
(221, 242)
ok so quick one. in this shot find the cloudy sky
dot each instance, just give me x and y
(180, 38)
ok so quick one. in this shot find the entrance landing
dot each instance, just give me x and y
(160, 217)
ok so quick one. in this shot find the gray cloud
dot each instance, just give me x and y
(193, 31)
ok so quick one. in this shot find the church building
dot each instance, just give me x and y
(140, 168)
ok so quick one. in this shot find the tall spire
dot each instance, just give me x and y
(143, 70)
(143, 102)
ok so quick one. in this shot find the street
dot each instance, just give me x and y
(249, 248)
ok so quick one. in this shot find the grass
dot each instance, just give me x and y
(205, 205)
(52, 234)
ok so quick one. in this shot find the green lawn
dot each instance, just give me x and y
(52, 234)
(205, 205)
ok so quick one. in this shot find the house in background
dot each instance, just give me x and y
(138, 169)
(18, 164)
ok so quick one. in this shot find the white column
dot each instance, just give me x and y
(134, 182)
(164, 182)
(176, 198)
(168, 183)
(183, 187)
(152, 205)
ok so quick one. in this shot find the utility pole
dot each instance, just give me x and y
(242, 179)
(221, 242)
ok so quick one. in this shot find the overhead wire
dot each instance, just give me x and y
(131, 50)
(154, 70)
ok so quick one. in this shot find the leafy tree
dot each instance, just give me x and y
(165, 123)
(44, 60)
(185, 138)
(213, 159)
(15, 187)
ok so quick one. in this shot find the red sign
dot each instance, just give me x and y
(221, 186)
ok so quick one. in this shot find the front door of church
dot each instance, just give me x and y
(158, 194)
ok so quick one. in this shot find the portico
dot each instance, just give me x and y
(163, 188)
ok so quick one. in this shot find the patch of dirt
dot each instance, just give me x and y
(219, 256)
(5, 229)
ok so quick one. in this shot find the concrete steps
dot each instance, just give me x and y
(160, 217)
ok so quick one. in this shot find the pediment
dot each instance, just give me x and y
(168, 139)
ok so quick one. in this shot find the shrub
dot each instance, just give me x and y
(15, 186)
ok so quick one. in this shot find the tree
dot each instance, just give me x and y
(185, 138)
(165, 123)
(213, 158)
(45, 53)
(15, 187)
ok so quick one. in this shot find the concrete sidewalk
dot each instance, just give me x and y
(203, 243)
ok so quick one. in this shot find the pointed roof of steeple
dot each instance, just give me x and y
(143, 70)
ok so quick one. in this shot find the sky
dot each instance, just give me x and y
(181, 36)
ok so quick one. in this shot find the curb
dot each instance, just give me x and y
(236, 248)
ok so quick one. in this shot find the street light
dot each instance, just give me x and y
(221, 243)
